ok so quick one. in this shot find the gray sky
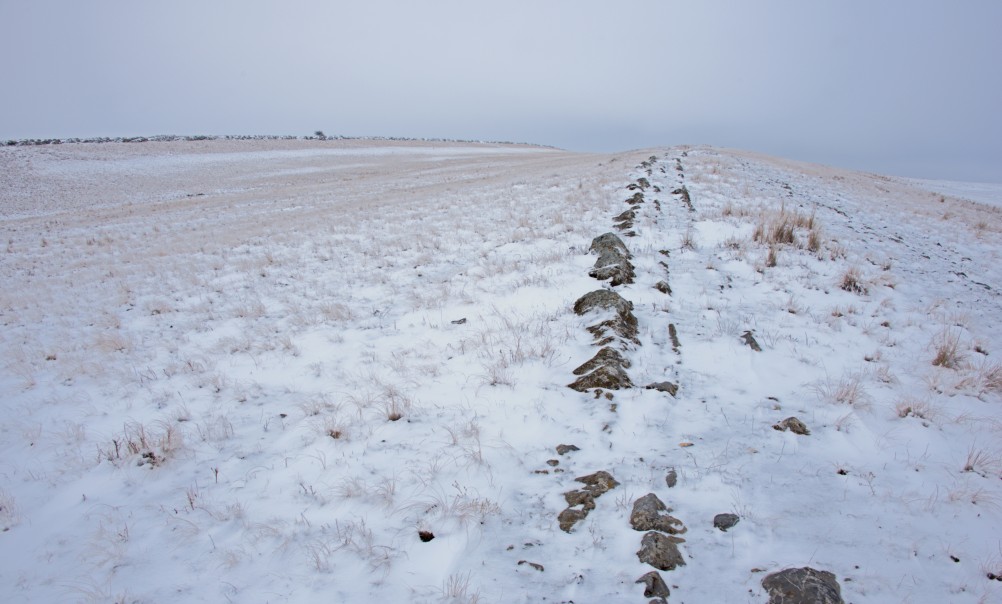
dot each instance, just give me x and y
(910, 87)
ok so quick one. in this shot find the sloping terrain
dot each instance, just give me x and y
(300, 371)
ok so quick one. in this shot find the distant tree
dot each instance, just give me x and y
(320, 134)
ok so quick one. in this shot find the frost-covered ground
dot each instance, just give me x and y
(255, 371)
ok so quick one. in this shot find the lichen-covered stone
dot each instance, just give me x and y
(598, 482)
(654, 585)
(613, 260)
(661, 551)
(803, 586)
(651, 514)
(609, 377)
(605, 357)
(793, 425)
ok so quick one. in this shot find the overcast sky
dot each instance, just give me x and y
(909, 87)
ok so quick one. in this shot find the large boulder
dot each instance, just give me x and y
(803, 586)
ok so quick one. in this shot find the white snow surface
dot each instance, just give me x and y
(983, 192)
(236, 371)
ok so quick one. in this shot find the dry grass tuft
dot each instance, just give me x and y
(780, 228)
(852, 281)
(913, 408)
(689, 239)
(771, 259)
(948, 353)
(982, 462)
(846, 391)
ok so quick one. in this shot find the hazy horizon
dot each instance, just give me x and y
(904, 88)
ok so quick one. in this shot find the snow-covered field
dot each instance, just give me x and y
(262, 371)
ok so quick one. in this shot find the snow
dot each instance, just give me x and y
(981, 192)
(278, 326)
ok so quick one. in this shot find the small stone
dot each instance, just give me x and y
(671, 479)
(725, 521)
(793, 425)
(803, 586)
(668, 387)
(565, 449)
(426, 536)
(654, 585)
(459, 321)
(534, 565)
(552, 462)
(750, 340)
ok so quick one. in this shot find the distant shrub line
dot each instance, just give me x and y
(27, 142)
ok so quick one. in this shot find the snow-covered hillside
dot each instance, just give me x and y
(304, 371)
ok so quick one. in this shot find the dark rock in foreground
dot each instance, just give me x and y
(725, 521)
(661, 551)
(803, 586)
(654, 585)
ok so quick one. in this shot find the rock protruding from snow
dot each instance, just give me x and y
(725, 521)
(749, 339)
(605, 356)
(565, 449)
(803, 586)
(793, 425)
(661, 551)
(613, 260)
(669, 387)
(605, 370)
(582, 501)
(654, 586)
(671, 478)
(683, 193)
(624, 222)
(637, 199)
(609, 377)
(651, 514)
(622, 325)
